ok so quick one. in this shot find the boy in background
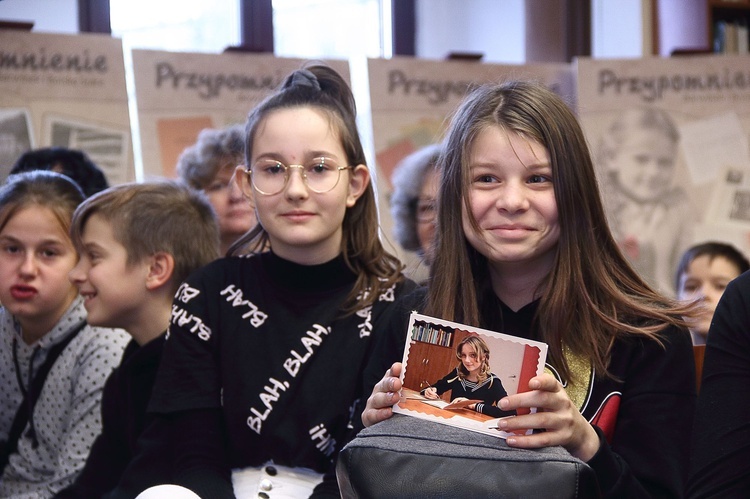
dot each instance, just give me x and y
(137, 242)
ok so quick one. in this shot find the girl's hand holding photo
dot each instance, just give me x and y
(561, 421)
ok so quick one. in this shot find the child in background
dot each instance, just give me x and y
(208, 165)
(702, 275)
(134, 256)
(650, 216)
(43, 323)
(256, 339)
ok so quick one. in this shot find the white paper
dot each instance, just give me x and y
(712, 144)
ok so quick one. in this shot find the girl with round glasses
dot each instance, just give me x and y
(256, 338)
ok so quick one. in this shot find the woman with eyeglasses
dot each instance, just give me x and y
(413, 208)
(257, 338)
(208, 165)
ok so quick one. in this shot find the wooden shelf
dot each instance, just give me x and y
(728, 23)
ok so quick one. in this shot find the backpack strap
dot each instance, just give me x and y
(31, 396)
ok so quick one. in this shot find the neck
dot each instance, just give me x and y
(151, 324)
(226, 243)
(31, 334)
(516, 286)
(34, 329)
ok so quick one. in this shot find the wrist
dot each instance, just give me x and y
(589, 446)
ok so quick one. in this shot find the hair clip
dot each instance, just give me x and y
(303, 78)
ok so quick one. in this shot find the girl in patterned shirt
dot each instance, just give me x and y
(43, 322)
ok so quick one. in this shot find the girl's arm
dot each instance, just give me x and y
(94, 363)
(646, 454)
(200, 461)
(492, 398)
(441, 386)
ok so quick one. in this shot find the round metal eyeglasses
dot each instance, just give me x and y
(269, 176)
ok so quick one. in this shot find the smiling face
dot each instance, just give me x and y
(113, 291)
(304, 226)
(705, 280)
(36, 255)
(512, 199)
(645, 164)
(471, 360)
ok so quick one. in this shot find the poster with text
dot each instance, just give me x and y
(66, 91)
(669, 138)
(411, 101)
(180, 93)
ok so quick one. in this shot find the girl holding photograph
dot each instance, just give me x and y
(523, 248)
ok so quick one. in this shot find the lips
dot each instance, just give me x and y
(298, 216)
(87, 296)
(23, 292)
(511, 230)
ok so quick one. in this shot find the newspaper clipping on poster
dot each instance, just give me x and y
(65, 91)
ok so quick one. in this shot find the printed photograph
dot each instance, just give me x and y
(15, 138)
(107, 147)
(456, 374)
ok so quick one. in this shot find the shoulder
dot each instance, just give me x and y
(668, 361)
(224, 265)
(737, 292)
(99, 345)
(400, 300)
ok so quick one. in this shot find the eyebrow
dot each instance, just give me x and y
(48, 241)
(308, 155)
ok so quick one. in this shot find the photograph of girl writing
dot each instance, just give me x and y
(472, 379)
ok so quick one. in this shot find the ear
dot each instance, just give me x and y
(359, 179)
(160, 269)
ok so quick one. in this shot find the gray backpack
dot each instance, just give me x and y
(407, 457)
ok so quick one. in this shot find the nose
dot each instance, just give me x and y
(296, 187)
(77, 274)
(512, 198)
(29, 265)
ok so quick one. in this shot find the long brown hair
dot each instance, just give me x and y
(483, 355)
(321, 87)
(592, 295)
